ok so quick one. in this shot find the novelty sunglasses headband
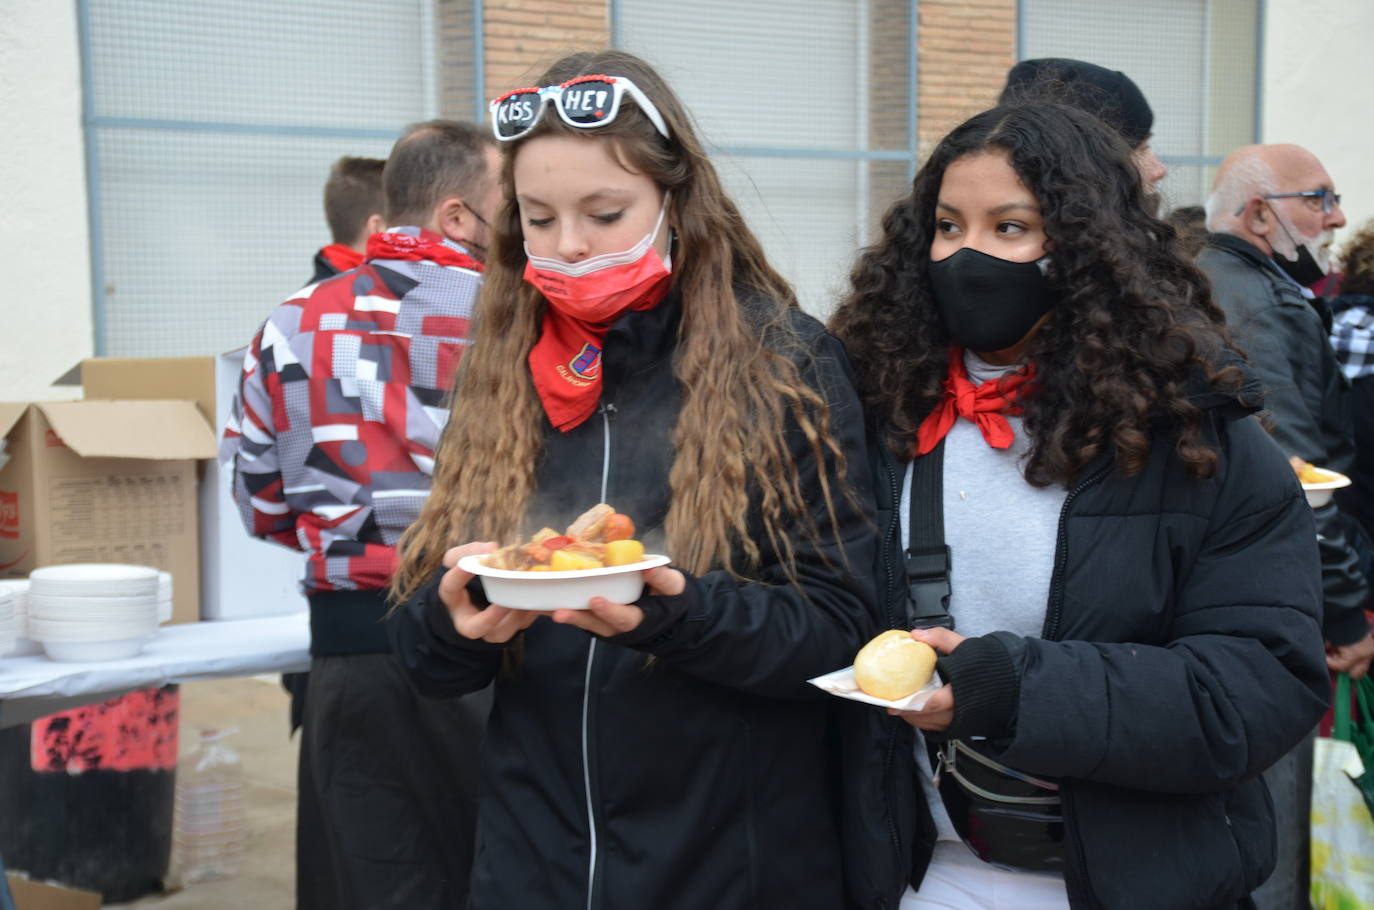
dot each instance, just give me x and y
(585, 102)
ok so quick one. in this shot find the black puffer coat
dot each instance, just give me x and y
(1181, 656)
(699, 780)
(1307, 400)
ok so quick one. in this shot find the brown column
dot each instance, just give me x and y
(964, 49)
(455, 48)
(525, 36)
(891, 84)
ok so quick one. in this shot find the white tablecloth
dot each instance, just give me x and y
(31, 687)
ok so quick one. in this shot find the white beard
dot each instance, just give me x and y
(1319, 246)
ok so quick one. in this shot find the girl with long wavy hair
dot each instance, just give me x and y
(1114, 562)
(633, 346)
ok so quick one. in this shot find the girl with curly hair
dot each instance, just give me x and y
(1115, 564)
(634, 347)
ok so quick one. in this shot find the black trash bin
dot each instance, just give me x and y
(87, 794)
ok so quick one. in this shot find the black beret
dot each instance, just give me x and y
(1108, 94)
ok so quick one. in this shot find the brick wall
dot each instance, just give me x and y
(964, 49)
(454, 52)
(523, 36)
(890, 87)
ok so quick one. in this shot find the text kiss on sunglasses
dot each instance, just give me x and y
(585, 102)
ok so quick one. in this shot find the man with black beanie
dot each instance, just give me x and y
(1109, 95)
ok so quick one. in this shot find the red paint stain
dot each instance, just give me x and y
(134, 732)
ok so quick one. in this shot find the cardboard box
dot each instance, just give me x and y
(104, 481)
(241, 577)
(32, 895)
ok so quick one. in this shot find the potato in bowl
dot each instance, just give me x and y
(1318, 483)
(597, 556)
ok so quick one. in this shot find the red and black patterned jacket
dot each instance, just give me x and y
(341, 402)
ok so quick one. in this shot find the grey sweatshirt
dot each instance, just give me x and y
(1001, 532)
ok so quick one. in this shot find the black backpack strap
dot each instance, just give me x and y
(927, 555)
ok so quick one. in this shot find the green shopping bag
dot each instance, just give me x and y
(1342, 818)
(1358, 730)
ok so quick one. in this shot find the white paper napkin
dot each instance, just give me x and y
(841, 683)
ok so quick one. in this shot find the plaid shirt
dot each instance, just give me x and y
(1352, 334)
(342, 400)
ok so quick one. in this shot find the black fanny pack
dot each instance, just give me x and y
(1005, 817)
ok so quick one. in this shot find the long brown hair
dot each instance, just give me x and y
(1133, 333)
(738, 362)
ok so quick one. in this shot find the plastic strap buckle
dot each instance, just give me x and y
(927, 575)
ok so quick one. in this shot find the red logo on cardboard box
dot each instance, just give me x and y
(9, 514)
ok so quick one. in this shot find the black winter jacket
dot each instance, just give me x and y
(1180, 658)
(1307, 399)
(698, 780)
(323, 269)
(1360, 499)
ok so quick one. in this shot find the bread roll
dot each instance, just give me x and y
(894, 665)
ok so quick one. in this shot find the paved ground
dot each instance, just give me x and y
(258, 708)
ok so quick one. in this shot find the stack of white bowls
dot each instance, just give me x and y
(24, 644)
(8, 633)
(164, 596)
(93, 611)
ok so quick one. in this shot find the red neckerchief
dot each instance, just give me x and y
(985, 405)
(565, 363)
(341, 256)
(429, 246)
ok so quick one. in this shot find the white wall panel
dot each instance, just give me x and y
(352, 63)
(1319, 70)
(214, 129)
(756, 72)
(772, 74)
(205, 233)
(1193, 59)
(46, 312)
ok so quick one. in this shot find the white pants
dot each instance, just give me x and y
(958, 880)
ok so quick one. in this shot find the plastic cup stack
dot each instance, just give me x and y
(93, 611)
(24, 645)
(164, 596)
(8, 633)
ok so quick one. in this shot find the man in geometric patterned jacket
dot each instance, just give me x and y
(331, 442)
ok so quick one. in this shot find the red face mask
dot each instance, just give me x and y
(584, 299)
(599, 289)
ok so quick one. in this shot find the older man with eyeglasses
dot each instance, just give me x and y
(1272, 213)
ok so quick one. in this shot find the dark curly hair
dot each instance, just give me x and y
(1357, 262)
(1129, 333)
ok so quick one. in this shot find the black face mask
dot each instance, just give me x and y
(986, 303)
(478, 251)
(1303, 269)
